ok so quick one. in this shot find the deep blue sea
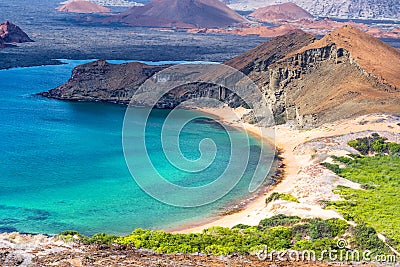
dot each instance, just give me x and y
(62, 165)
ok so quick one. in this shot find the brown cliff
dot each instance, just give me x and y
(345, 74)
(102, 81)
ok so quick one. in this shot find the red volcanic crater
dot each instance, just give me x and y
(281, 12)
(179, 13)
(82, 6)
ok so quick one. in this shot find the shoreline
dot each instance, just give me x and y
(302, 175)
(252, 201)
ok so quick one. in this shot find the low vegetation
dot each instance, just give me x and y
(377, 204)
(282, 196)
(375, 144)
(277, 233)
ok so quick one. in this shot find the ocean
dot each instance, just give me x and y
(63, 167)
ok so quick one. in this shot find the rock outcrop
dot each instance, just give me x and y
(11, 33)
(178, 13)
(101, 81)
(281, 12)
(82, 6)
(304, 80)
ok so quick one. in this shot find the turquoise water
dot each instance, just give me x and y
(62, 163)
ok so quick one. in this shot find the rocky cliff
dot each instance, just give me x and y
(11, 33)
(101, 81)
(304, 80)
(347, 73)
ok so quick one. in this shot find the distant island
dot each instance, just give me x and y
(11, 33)
(281, 13)
(178, 13)
(82, 6)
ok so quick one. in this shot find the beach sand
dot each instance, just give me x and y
(304, 177)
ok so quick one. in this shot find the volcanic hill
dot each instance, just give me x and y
(305, 81)
(11, 33)
(82, 6)
(345, 9)
(179, 13)
(281, 12)
(347, 73)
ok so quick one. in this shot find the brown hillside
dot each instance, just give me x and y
(179, 13)
(262, 56)
(83, 6)
(374, 56)
(281, 12)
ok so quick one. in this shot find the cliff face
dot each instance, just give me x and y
(306, 81)
(11, 33)
(324, 82)
(101, 81)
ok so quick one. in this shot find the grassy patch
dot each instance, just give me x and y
(282, 196)
(378, 203)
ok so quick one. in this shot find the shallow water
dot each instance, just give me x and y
(62, 163)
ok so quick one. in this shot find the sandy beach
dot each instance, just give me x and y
(304, 178)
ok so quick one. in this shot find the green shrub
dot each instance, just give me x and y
(282, 196)
(370, 145)
(333, 167)
(366, 238)
(394, 148)
(326, 228)
(101, 238)
(279, 220)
